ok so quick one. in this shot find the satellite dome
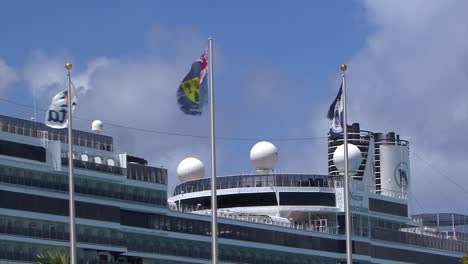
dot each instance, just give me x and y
(190, 169)
(264, 155)
(97, 126)
(354, 158)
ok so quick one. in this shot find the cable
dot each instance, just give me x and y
(417, 202)
(175, 133)
(441, 173)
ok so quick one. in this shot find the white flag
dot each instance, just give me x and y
(57, 115)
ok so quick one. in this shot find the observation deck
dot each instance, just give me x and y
(261, 180)
(40, 130)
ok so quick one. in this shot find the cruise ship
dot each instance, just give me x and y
(124, 214)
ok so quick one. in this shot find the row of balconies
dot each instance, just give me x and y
(60, 235)
(113, 193)
(32, 256)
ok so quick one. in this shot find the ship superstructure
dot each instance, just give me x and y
(124, 215)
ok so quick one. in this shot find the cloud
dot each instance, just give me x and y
(8, 76)
(138, 92)
(411, 78)
(45, 74)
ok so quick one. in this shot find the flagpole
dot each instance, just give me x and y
(348, 222)
(73, 259)
(214, 206)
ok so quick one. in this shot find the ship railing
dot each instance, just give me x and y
(17, 256)
(37, 179)
(80, 164)
(59, 235)
(391, 193)
(31, 256)
(262, 180)
(39, 130)
(265, 219)
(363, 136)
(146, 173)
(424, 240)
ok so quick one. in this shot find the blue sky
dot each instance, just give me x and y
(276, 71)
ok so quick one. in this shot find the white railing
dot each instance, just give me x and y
(391, 193)
(39, 132)
(275, 221)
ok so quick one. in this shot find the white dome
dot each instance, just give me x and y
(264, 155)
(190, 169)
(354, 158)
(97, 126)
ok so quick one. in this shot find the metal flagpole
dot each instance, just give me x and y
(214, 206)
(68, 66)
(348, 222)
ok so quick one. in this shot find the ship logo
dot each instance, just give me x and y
(401, 175)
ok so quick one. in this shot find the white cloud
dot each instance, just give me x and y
(136, 92)
(45, 74)
(411, 78)
(8, 76)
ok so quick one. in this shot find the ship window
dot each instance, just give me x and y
(139, 173)
(388, 207)
(145, 174)
(233, 182)
(18, 224)
(258, 181)
(19, 250)
(286, 181)
(32, 226)
(23, 151)
(33, 251)
(234, 200)
(248, 181)
(305, 181)
(307, 198)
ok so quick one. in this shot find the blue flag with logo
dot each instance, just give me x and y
(192, 92)
(335, 114)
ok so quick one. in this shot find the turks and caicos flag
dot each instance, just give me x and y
(192, 92)
(335, 114)
(57, 115)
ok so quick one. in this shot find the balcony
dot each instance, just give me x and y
(261, 180)
(39, 130)
(415, 239)
(60, 235)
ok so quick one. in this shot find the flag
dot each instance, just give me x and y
(57, 115)
(192, 92)
(335, 114)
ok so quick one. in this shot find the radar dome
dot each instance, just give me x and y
(354, 158)
(264, 155)
(190, 169)
(97, 126)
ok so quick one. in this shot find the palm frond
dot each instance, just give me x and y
(53, 256)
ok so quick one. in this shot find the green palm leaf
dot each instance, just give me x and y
(53, 256)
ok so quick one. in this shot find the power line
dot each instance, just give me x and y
(233, 139)
(145, 130)
(441, 173)
(417, 202)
